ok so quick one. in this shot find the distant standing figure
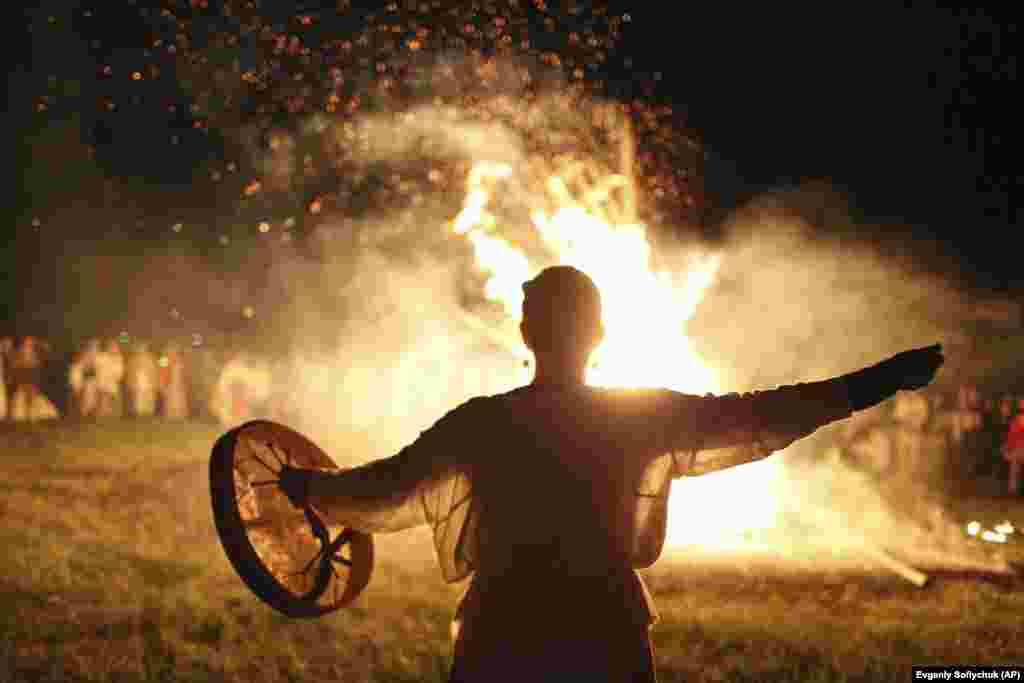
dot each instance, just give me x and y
(911, 410)
(204, 368)
(1006, 413)
(874, 451)
(917, 448)
(6, 346)
(866, 442)
(910, 415)
(85, 392)
(968, 414)
(173, 391)
(109, 374)
(141, 379)
(1013, 449)
(967, 431)
(243, 383)
(27, 400)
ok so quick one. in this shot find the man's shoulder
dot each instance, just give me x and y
(476, 405)
(621, 398)
(638, 398)
(474, 414)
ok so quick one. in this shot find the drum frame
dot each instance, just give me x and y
(283, 444)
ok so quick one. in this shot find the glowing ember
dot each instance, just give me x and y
(993, 536)
(997, 535)
(645, 318)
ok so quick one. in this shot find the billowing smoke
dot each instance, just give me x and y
(402, 357)
(794, 301)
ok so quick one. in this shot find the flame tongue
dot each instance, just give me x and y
(645, 313)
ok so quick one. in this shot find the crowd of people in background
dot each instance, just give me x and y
(109, 378)
(897, 440)
(942, 437)
(21, 370)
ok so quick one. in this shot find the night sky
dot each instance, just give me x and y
(908, 111)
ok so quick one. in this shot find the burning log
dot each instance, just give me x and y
(912, 575)
(942, 562)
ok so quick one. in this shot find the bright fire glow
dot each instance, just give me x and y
(993, 536)
(645, 317)
(998, 535)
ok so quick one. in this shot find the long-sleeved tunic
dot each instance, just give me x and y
(552, 497)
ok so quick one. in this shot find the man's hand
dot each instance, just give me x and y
(906, 371)
(294, 483)
(916, 367)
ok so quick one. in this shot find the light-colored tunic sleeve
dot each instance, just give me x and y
(425, 483)
(710, 433)
(686, 435)
(738, 429)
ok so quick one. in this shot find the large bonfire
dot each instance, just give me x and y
(584, 214)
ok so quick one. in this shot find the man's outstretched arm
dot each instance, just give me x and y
(377, 497)
(383, 495)
(718, 432)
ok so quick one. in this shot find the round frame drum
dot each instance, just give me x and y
(294, 560)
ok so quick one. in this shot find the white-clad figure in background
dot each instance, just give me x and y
(141, 380)
(967, 417)
(6, 347)
(85, 394)
(1013, 450)
(27, 399)
(173, 390)
(109, 374)
(203, 370)
(243, 384)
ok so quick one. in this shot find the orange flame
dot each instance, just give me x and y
(645, 317)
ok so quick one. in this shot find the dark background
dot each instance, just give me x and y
(909, 110)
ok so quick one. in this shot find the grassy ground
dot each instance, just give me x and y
(113, 573)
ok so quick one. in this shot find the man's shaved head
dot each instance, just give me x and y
(561, 311)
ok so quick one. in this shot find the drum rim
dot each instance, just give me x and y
(240, 551)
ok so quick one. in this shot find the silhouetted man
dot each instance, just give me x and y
(552, 495)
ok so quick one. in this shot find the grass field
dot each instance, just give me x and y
(112, 572)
